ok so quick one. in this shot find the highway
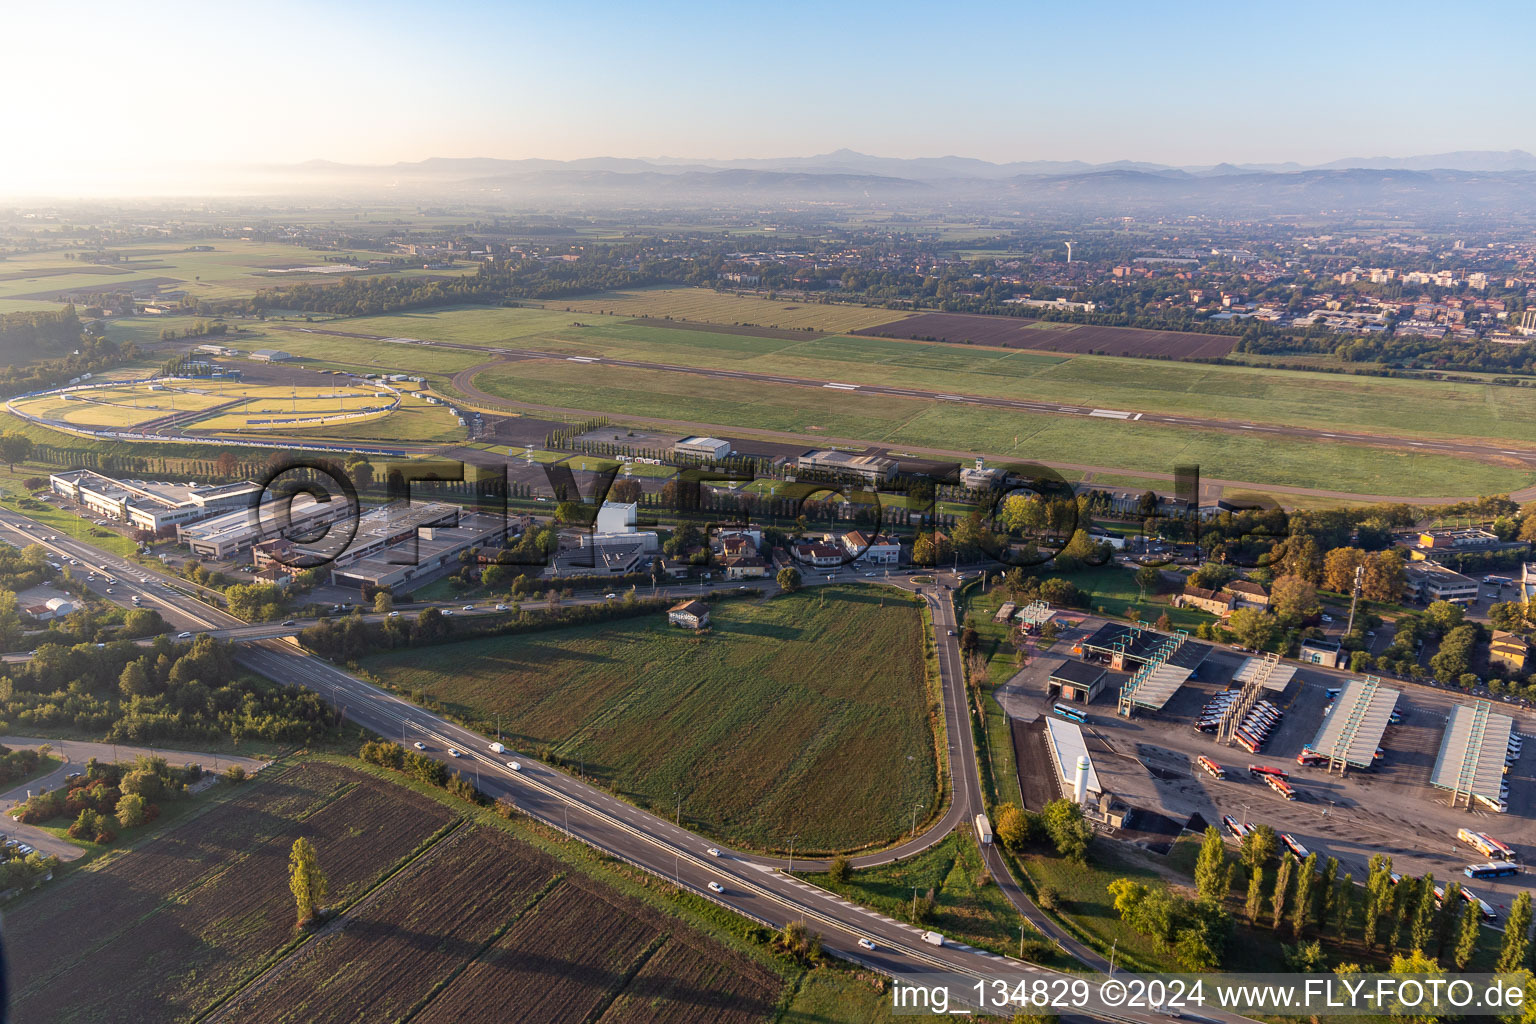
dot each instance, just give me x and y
(754, 886)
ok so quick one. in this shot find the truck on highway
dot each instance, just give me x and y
(983, 830)
(933, 938)
(497, 748)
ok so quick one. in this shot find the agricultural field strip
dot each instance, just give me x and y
(228, 894)
(371, 939)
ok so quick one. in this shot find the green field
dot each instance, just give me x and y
(948, 426)
(806, 715)
(967, 908)
(703, 304)
(234, 269)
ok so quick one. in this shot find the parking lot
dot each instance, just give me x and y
(1149, 760)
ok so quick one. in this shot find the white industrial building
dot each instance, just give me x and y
(226, 535)
(1068, 750)
(702, 447)
(150, 505)
(875, 469)
(1472, 755)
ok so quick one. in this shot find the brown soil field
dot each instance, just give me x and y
(684, 982)
(171, 959)
(380, 960)
(1018, 332)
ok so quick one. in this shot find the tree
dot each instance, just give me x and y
(1418, 965)
(1277, 898)
(1306, 958)
(1507, 615)
(1212, 875)
(135, 681)
(1466, 942)
(1339, 567)
(1294, 599)
(1149, 578)
(132, 810)
(1445, 615)
(1378, 897)
(15, 447)
(383, 602)
(1252, 628)
(1068, 830)
(305, 880)
(1325, 893)
(1306, 875)
(1259, 846)
(1517, 939)
(1422, 931)
(1255, 901)
(1386, 578)
(1013, 826)
(788, 579)
(840, 869)
(11, 627)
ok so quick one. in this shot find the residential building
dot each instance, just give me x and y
(819, 554)
(878, 550)
(744, 567)
(1509, 652)
(1216, 602)
(689, 615)
(1247, 594)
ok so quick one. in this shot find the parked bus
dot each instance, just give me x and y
(983, 829)
(1280, 786)
(1297, 850)
(1500, 850)
(1264, 769)
(1211, 767)
(1237, 828)
(1071, 714)
(1247, 742)
(1491, 870)
(1308, 756)
(1481, 843)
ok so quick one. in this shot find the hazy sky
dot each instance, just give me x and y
(98, 89)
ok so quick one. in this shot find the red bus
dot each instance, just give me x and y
(1270, 770)
(1211, 767)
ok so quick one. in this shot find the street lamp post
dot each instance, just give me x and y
(792, 853)
(1112, 948)
(915, 809)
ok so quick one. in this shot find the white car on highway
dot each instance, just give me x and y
(866, 944)
(419, 745)
(514, 766)
(183, 636)
(453, 752)
(713, 852)
(716, 887)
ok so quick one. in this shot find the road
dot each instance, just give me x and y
(753, 886)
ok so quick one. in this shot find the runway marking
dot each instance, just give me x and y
(842, 387)
(580, 359)
(1110, 414)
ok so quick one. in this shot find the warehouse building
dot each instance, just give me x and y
(150, 505)
(224, 536)
(396, 545)
(702, 448)
(1065, 742)
(1472, 755)
(1351, 732)
(874, 469)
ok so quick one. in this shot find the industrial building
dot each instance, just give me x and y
(1472, 755)
(874, 469)
(1351, 733)
(150, 505)
(232, 532)
(397, 544)
(1065, 742)
(1076, 681)
(702, 448)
